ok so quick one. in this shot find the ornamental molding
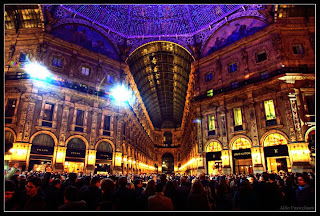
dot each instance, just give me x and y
(291, 78)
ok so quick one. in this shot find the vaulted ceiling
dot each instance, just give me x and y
(161, 72)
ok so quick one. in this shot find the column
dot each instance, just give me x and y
(226, 158)
(90, 161)
(93, 130)
(257, 159)
(59, 157)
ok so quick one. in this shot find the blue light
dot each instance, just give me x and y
(121, 94)
(37, 71)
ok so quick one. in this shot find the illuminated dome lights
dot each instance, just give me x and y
(139, 20)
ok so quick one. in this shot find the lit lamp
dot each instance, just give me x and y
(37, 71)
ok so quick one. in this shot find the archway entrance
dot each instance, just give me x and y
(167, 163)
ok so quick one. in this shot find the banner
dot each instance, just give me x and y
(241, 153)
(46, 150)
(76, 153)
(213, 156)
(274, 151)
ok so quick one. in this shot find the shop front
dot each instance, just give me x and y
(241, 154)
(103, 158)
(213, 158)
(276, 153)
(41, 152)
(242, 162)
(75, 156)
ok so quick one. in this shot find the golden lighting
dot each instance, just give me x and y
(118, 159)
(275, 139)
(213, 147)
(241, 143)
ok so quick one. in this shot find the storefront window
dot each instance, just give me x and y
(213, 147)
(241, 143)
(275, 139)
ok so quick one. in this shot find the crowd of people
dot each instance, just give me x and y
(52, 191)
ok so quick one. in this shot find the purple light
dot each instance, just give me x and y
(164, 20)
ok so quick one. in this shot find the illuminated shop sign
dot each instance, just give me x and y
(213, 156)
(75, 153)
(104, 155)
(241, 153)
(273, 151)
(45, 150)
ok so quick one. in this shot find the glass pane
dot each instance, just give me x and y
(241, 143)
(269, 109)
(213, 147)
(274, 139)
(10, 108)
(79, 118)
(211, 123)
(237, 116)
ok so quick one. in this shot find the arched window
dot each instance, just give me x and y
(43, 140)
(213, 147)
(167, 138)
(76, 143)
(104, 147)
(241, 143)
(9, 139)
(274, 139)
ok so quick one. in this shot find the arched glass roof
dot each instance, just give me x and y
(142, 20)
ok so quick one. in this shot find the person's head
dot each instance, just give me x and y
(251, 179)
(72, 177)
(138, 183)
(264, 176)
(202, 176)
(272, 177)
(197, 187)
(71, 194)
(56, 183)
(183, 180)
(302, 180)
(163, 177)
(151, 185)
(33, 185)
(95, 181)
(159, 188)
(122, 181)
(107, 186)
(10, 188)
(130, 186)
(86, 180)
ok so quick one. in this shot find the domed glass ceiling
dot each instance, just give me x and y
(140, 20)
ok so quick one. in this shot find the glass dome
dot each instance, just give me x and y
(141, 20)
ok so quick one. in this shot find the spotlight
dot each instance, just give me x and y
(122, 94)
(37, 71)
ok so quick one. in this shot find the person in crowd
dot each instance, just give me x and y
(305, 195)
(149, 191)
(123, 197)
(34, 197)
(289, 198)
(138, 188)
(93, 194)
(244, 199)
(197, 199)
(11, 203)
(71, 200)
(171, 192)
(107, 188)
(183, 191)
(223, 195)
(70, 181)
(276, 193)
(160, 202)
(53, 195)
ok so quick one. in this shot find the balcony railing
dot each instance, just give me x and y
(256, 80)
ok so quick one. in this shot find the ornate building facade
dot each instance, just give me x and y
(235, 97)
